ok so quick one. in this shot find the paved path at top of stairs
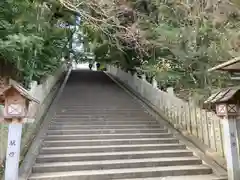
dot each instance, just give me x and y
(99, 132)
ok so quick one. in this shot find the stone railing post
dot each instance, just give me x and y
(154, 83)
(143, 84)
(143, 77)
(170, 91)
(134, 78)
(130, 78)
(135, 75)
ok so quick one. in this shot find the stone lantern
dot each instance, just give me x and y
(16, 102)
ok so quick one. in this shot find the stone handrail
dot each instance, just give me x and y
(204, 126)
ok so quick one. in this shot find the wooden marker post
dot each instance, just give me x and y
(13, 151)
(227, 107)
(16, 102)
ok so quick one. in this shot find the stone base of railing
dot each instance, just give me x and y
(200, 127)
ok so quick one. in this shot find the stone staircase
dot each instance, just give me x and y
(99, 132)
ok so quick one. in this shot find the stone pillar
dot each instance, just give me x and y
(144, 77)
(143, 84)
(33, 87)
(170, 90)
(135, 75)
(154, 83)
(134, 85)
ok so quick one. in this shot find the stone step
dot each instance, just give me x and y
(120, 126)
(124, 173)
(113, 155)
(113, 116)
(90, 122)
(103, 118)
(94, 100)
(192, 177)
(114, 107)
(114, 164)
(107, 136)
(110, 148)
(127, 116)
(97, 110)
(99, 106)
(95, 142)
(92, 96)
(105, 131)
(101, 113)
(95, 95)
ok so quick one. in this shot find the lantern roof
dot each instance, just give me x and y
(20, 89)
(232, 65)
(223, 95)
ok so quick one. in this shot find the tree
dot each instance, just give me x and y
(176, 41)
(33, 37)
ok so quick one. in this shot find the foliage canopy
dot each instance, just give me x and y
(174, 40)
(32, 38)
